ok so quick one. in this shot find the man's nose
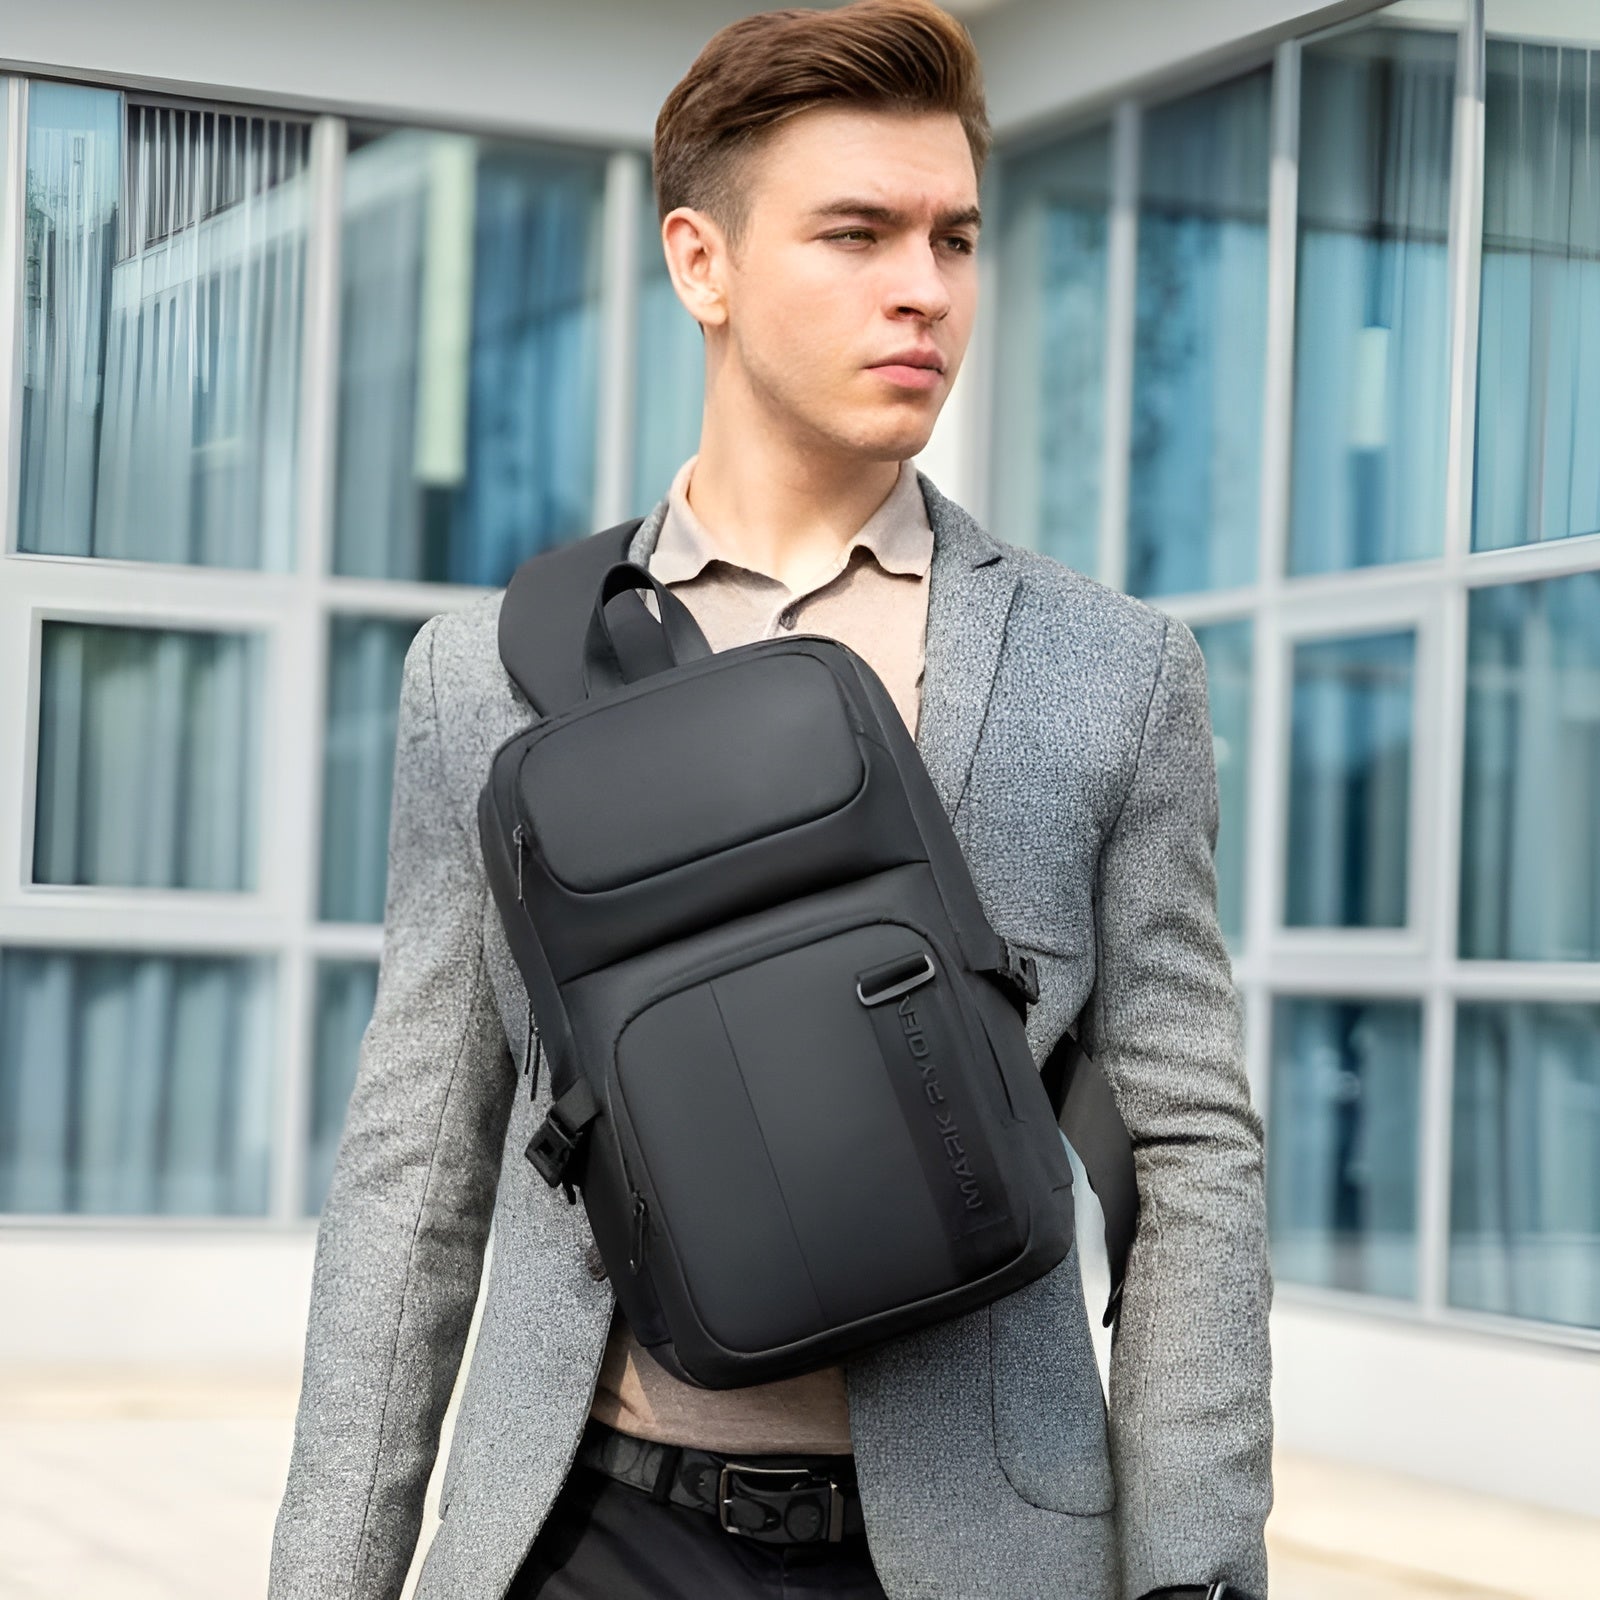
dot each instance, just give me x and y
(919, 283)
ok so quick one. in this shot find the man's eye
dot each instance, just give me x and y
(851, 233)
(967, 246)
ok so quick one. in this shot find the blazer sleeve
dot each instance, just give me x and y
(401, 1241)
(1190, 1412)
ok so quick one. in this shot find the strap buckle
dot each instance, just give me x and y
(792, 1510)
(552, 1148)
(1022, 973)
(558, 1138)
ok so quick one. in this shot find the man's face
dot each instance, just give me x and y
(859, 247)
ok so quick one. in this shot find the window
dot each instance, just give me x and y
(1200, 341)
(1423, 613)
(1538, 461)
(1530, 845)
(1524, 1182)
(1371, 401)
(1350, 782)
(1048, 402)
(366, 657)
(134, 1083)
(1342, 1153)
(163, 291)
(345, 994)
(470, 335)
(190, 924)
(148, 768)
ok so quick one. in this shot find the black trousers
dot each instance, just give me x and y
(606, 1541)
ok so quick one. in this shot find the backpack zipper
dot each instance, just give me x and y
(641, 1215)
(518, 840)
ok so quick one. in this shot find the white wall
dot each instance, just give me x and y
(1040, 56)
(1505, 1416)
(168, 1299)
(596, 70)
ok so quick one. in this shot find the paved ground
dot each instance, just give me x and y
(151, 1490)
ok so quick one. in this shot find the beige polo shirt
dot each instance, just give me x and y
(875, 599)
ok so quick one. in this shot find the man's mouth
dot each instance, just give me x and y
(912, 369)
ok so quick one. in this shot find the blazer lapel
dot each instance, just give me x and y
(970, 588)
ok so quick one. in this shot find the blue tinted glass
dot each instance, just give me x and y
(1538, 445)
(366, 657)
(1530, 832)
(1050, 366)
(1350, 783)
(134, 1084)
(1200, 341)
(346, 991)
(1524, 1179)
(149, 766)
(1342, 1144)
(469, 356)
(1226, 646)
(165, 270)
(669, 392)
(1372, 299)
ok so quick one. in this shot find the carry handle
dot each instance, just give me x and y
(621, 651)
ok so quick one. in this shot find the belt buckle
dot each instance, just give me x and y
(795, 1480)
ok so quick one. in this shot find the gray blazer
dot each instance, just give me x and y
(1066, 730)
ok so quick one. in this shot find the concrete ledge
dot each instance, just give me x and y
(1399, 1535)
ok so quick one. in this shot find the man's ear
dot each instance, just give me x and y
(697, 258)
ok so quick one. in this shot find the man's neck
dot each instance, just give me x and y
(777, 511)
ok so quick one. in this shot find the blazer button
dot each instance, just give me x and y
(595, 1262)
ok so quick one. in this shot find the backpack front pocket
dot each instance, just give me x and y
(813, 1126)
(719, 759)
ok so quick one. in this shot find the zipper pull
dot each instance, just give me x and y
(518, 840)
(641, 1214)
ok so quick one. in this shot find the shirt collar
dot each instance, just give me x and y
(898, 533)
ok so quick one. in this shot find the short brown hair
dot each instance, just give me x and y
(893, 55)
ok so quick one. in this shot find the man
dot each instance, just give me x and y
(817, 175)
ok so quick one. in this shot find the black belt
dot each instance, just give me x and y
(773, 1499)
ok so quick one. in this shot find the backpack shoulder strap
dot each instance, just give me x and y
(546, 611)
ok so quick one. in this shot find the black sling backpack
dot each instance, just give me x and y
(786, 1050)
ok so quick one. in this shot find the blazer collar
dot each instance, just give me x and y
(970, 588)
(971, 582)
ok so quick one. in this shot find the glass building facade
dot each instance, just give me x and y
(284, 387)
(1306, 355)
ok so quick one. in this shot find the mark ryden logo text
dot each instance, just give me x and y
(955, 1151)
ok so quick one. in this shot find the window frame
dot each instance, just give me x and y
(292, 610)
(1419, 962)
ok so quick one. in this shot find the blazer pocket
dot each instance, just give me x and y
(1049, 1408)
